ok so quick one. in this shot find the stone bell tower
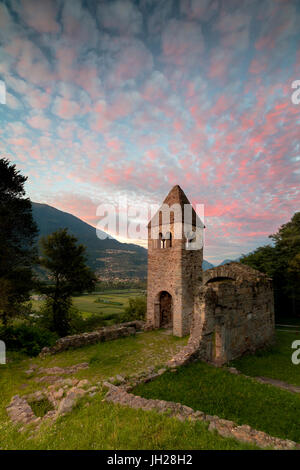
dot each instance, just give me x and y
(175, 255)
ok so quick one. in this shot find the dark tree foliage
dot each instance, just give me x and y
(135, 310)
(65, 262)
(282, 263)
(17, 239)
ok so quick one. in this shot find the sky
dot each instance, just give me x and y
(124, 98)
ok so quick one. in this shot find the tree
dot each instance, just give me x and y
(282, 262)
(17, 242)
(69, 275)
(135, 310)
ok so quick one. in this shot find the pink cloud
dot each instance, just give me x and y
(66, 109)
(182, 43)
(31, 63)
(120, 15)
(132, 61)
(39, 122)
(41, 15)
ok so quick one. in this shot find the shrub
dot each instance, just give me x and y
(93, 322)
(28, 339)
(136, 310)
(77, 323)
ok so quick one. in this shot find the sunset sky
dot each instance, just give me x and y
(113, 98)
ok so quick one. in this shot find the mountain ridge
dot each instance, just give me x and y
(109, 258)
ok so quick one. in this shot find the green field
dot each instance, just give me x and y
(87, 306)
(103, 425)
(235, 397)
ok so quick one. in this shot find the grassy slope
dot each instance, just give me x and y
(275, 363)
(102, 425)
(217, 392)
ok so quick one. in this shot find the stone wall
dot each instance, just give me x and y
(174, 269)
(103, 334)
(234, 314)
(121, 395)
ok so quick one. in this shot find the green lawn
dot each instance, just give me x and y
(275, 362)
(103, 425)
(218, 392)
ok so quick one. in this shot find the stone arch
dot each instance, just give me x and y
(160, 240)
(168, 240)
(219, 279)
(165, 309)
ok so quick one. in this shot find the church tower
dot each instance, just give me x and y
(175, 255)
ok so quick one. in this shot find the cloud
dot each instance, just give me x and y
(203, 10)
(39, 121)
(160, 14)
(79, 25)
(40, 16)
(30, 62)
(133, 60)
(182, 43)
(120, 16)
(65, 109)
(131, 97)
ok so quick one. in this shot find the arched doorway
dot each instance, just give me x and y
(166, 310)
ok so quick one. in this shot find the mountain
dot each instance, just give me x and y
(206, 265)
(225, 262)
(109, 258)
(230, 261)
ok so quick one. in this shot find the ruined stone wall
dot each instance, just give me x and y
(103, 334)
(191, 272)
(234, 314)
(243, 317)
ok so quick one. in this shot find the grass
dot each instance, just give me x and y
(217, 392)
(103, 425)
(275, 362)
(41, 407)
(95, 424)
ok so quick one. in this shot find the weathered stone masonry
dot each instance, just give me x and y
(234, 314)
(173, 271)
(228, 310)
(107, 333)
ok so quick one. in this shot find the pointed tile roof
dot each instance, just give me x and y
(177, 196)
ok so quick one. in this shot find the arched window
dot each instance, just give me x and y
(161, 241)
(168, 240)
(190, 238)
(165, 240)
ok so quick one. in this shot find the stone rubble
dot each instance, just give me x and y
(226, 428)
(62, 396)
(62, 393)
(63, 370)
